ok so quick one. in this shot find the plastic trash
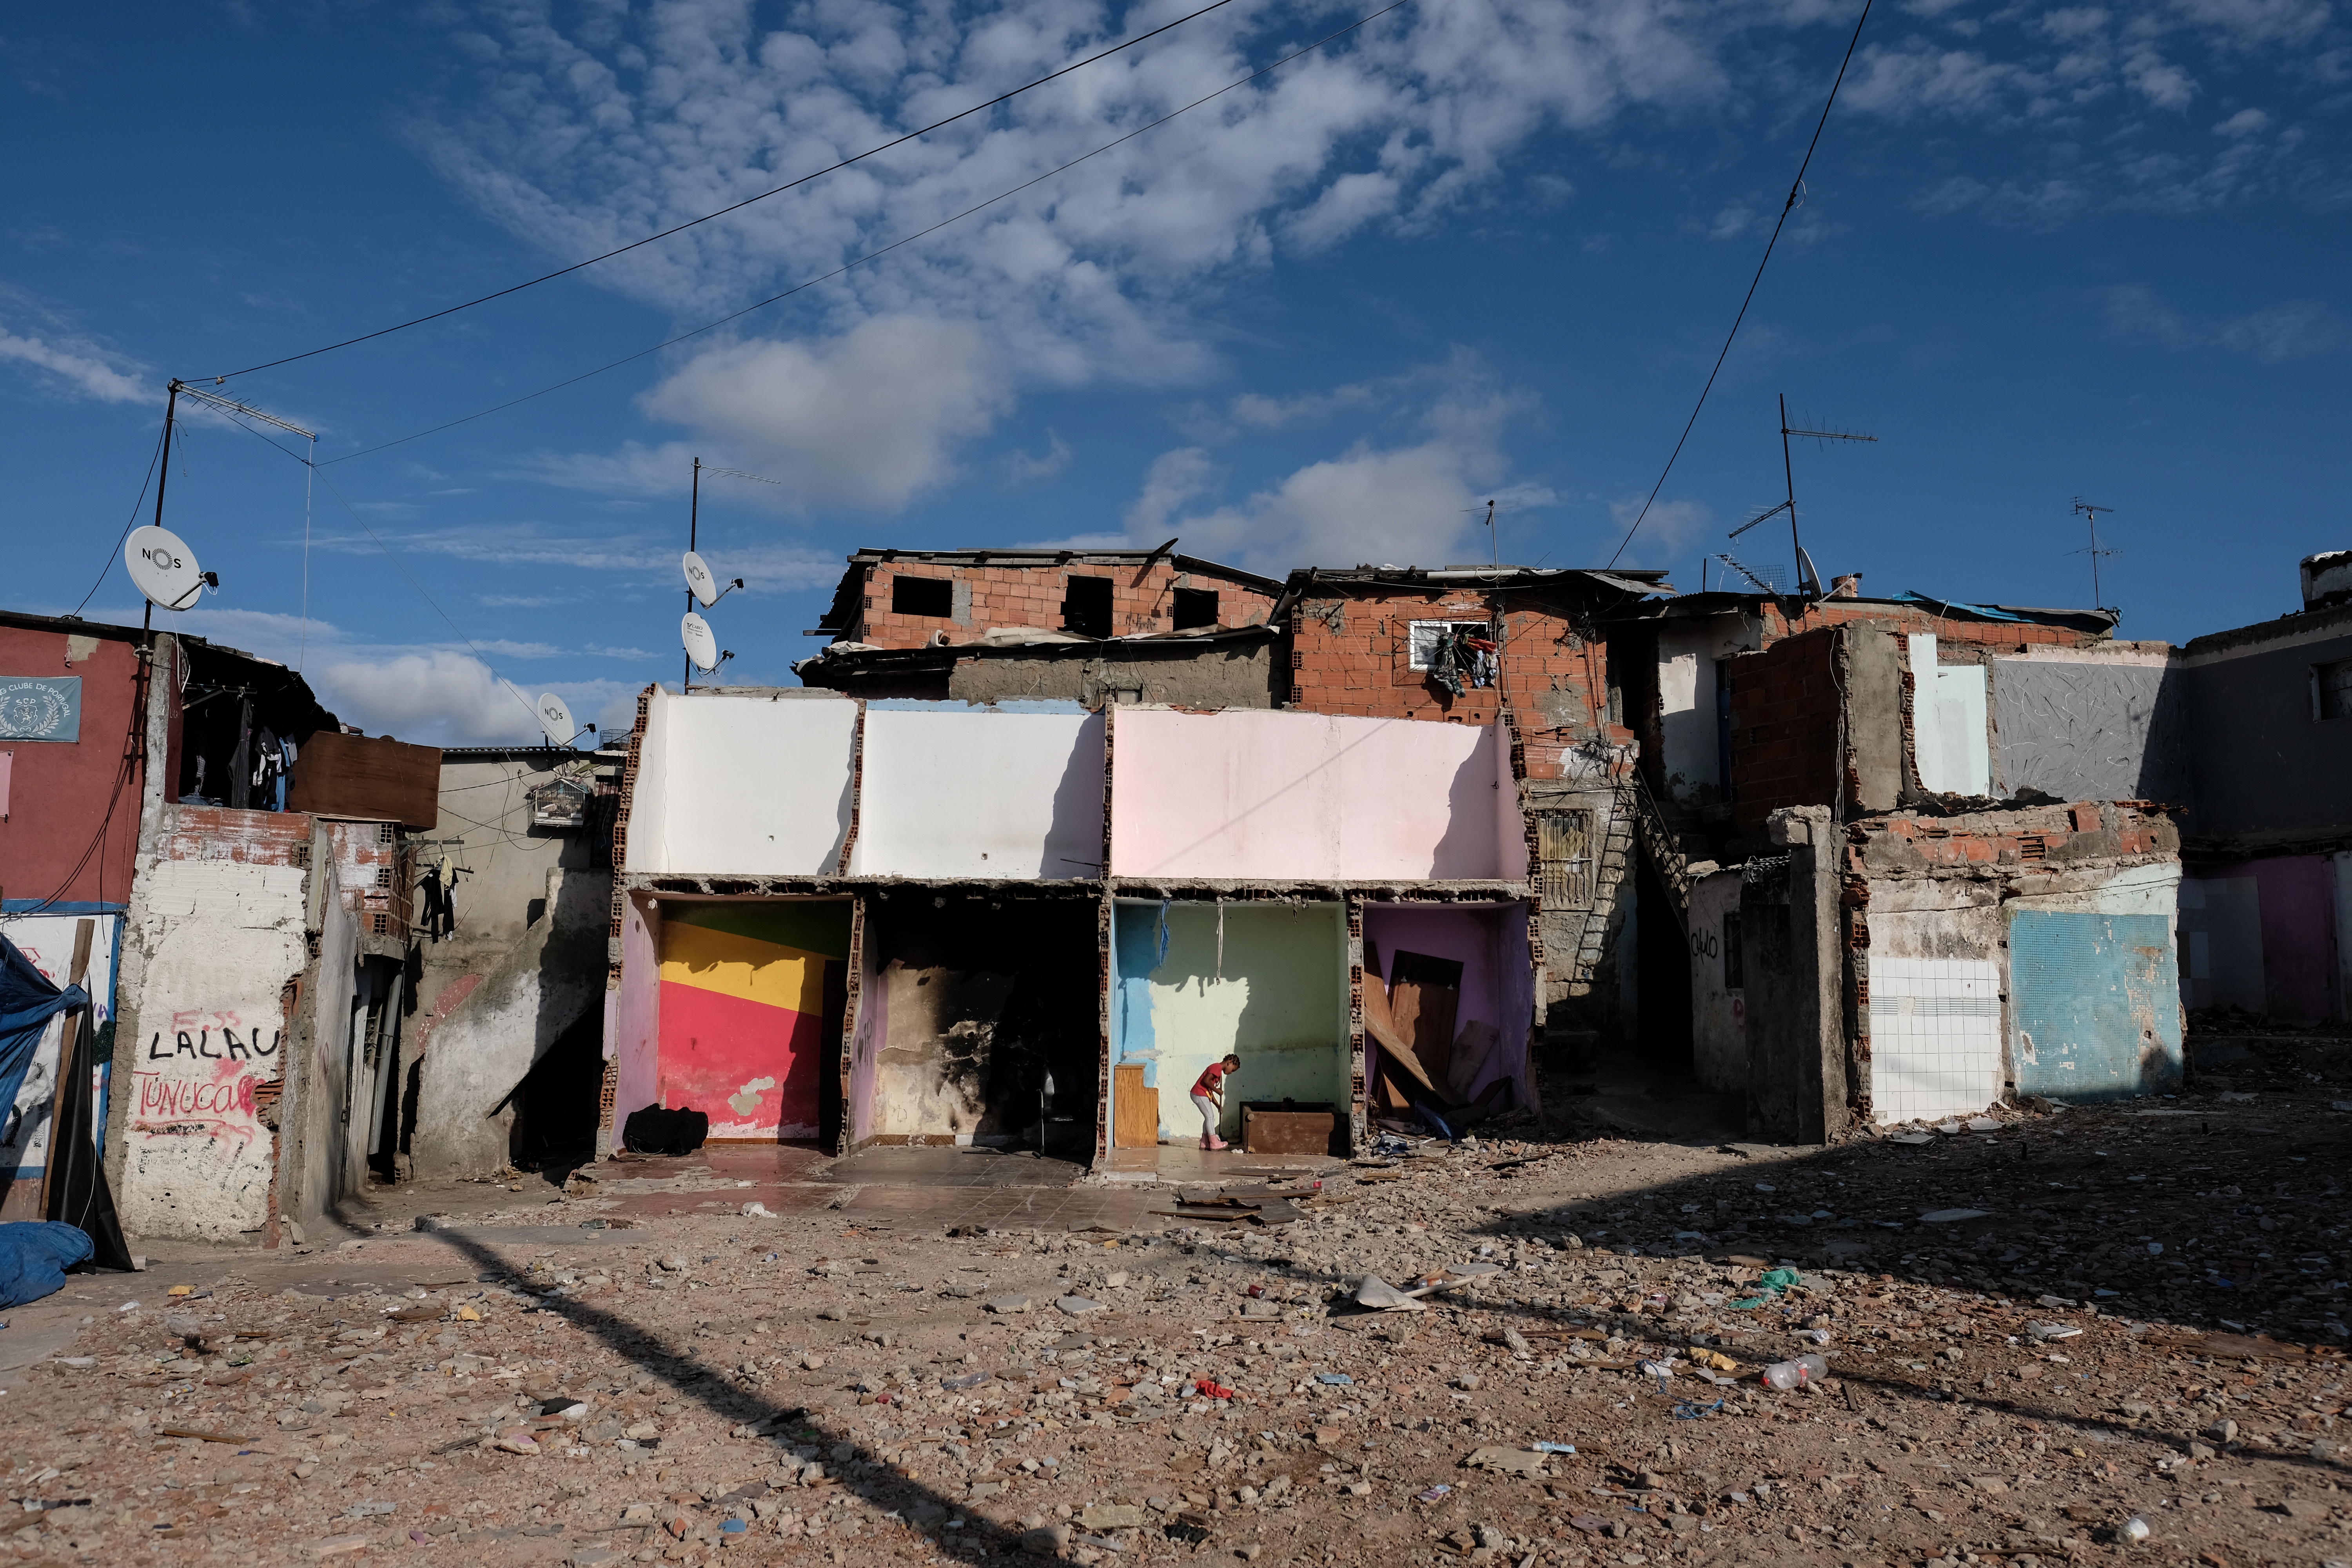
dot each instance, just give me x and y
(2133, 1529)
(1805, 1369)
(1337, 1379)
(1214, 1389)
(1433, 1494)
(1553, 1448)
(1774, 1282)
(1691, 1410)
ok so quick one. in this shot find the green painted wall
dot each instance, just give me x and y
(1281, 1004)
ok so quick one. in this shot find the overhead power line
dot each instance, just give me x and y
(1796, 193)
(875, 255)
(722, 212)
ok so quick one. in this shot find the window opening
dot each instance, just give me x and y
(1195, 608)
(1085, 607)
(2332, 689)
(930, 596)
(1564, 861)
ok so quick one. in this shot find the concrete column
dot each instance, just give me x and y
(1795, 961)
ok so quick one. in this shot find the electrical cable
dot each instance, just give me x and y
(871, 255)
(1796, 191)
(135, 507)
(389, 555)
(722, 212)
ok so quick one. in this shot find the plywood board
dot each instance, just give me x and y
(1135, 1110)
(370, 780)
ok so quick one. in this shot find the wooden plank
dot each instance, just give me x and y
(1394, 1046)
(372, 780)
(83, 931)
(1135, 1110)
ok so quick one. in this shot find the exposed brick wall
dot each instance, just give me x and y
(1784, 727)
(2012, 636)
(1143, 599)
(1350, 654)
(2047, 838)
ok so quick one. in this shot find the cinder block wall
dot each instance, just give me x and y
(1143, 599)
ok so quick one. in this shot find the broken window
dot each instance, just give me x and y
(1563, 856)
(1423, 639)
(930, 596)
(2331, 690)
(1195, 608)
(1085, 607)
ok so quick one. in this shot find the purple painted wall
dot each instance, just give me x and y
(2284, 952)
(1490, 943)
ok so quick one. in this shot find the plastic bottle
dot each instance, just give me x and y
(1805, 1369)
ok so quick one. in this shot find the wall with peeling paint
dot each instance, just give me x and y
(1718, 1001)
(2094, 985)
(1275, 992)
(218, 941)
(1490, 943)
(1284, 796)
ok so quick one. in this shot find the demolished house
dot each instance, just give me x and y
(862, 922)
(1940, 868)
(236, 856)
(1091, 627)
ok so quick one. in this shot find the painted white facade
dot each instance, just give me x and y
(979, 795)
(753, 784)
(1688, 678)
(220, 941)
(1948, 723)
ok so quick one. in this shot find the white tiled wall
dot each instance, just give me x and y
(1935, 1037)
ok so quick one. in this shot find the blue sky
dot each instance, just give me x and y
(1479, 248)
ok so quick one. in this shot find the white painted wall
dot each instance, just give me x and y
(1288, 796)
(981, 793)
(1951, 747)
(753, 784)
(1718, 1008)
(1687, 675)
(221, 939)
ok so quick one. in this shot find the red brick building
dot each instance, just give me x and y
(1090, 626)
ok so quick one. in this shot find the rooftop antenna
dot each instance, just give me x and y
(1808, 582)
(2090, 514)
(702, 588)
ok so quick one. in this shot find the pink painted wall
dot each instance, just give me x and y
(2299, 936)
(633, 1038)
(1286, 796)
(1490, 943)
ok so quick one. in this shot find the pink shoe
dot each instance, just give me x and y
(1216, 1143)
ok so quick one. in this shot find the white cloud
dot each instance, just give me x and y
(871, 418)
(1023, 468)
(78, 368)
(2302, 329)
(1669, 525)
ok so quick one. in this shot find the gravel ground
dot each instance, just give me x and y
(2015, 1386)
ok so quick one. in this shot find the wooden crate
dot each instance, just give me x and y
(1135, 1110)
(1289, 1127)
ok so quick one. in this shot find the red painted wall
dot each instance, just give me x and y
(60, 791)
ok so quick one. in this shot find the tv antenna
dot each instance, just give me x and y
(1494, 544)
(2090, 514)
(702, 589)
(1808, 582)
(162, 568)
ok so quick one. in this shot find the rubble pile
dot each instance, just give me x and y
(1573, 1373)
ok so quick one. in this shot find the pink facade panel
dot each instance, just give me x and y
(1280, 796)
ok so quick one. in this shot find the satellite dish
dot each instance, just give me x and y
(700, 646)
(555, 720)
(698, 578)
(163, 567)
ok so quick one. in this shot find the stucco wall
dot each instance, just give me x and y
(753, 784)
(220, 938)
(1687, 683)
(480, 1050)
(979, 795)
(1719, 1006)
(1286, 796)
(2250, 700)
(2093, 724)
(2265, 937)
(633, 1039)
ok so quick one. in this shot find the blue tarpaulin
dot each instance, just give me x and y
(34, 1256)
(28, 1002)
